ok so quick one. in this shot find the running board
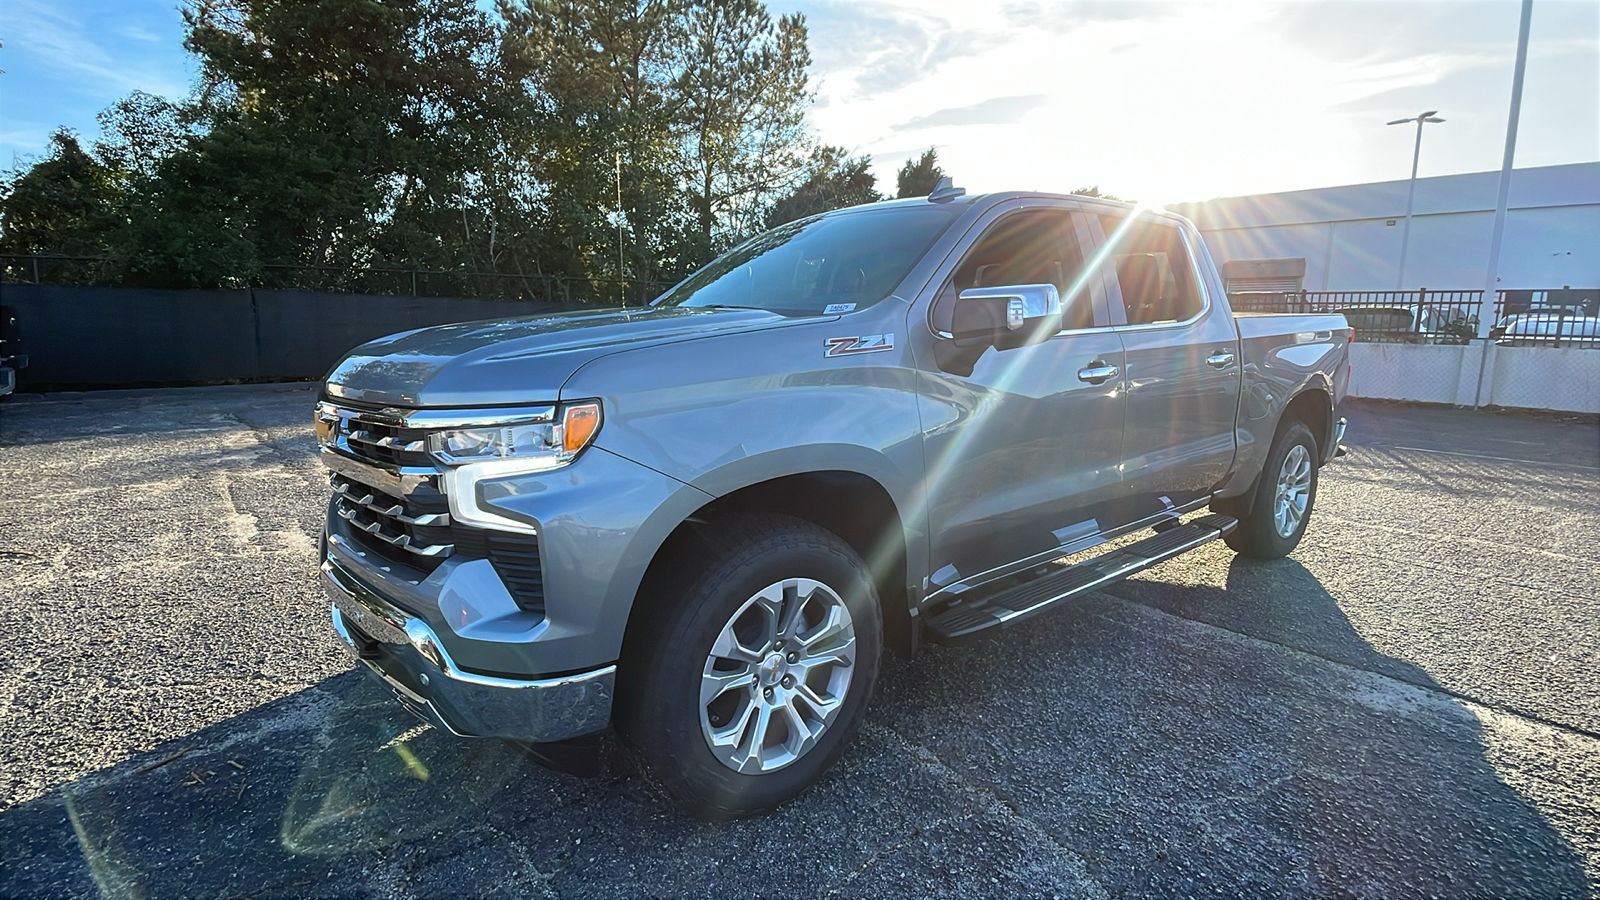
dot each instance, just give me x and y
(967, 619)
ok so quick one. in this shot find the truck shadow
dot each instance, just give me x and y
(1150, 754)
(1254, 744)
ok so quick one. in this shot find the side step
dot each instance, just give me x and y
(967, 619)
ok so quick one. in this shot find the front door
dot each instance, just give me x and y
(1023, 454)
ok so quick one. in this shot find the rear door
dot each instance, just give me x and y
(1024, 451)
(1182, 374)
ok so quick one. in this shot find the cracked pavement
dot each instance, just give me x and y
(1408, 706)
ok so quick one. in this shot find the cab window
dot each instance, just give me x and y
(1030, 247)
(1152, 269)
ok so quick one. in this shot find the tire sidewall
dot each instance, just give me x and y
(1265, 507)
(664, 720)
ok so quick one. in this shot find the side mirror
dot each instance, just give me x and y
(1006, 317)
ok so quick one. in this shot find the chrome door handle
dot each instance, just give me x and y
(1220, 359)
(1097, 372)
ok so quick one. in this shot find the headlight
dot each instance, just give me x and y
(556, 440)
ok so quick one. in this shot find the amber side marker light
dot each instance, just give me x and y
(578, 425)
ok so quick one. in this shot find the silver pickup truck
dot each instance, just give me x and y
(703, 521)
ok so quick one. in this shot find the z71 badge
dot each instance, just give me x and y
(866, 343)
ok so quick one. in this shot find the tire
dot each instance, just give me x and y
(764, 570)
(1270, 530)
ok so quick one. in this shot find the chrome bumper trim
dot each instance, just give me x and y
(404, 653)
(1336, 447)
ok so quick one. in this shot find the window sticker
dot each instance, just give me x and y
(838, 308)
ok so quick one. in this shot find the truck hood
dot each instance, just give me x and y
(505, 362)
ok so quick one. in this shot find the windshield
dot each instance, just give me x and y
(824, 264)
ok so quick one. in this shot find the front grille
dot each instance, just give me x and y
(404, 532)
(390, 493)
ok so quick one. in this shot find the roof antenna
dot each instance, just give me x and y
(945, 191)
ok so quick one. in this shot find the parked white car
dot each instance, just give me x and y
(1543, 328)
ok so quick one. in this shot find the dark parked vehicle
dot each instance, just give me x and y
(11, 356)
(704, 521)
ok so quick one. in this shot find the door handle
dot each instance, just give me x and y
(1220, 359)
(1097, 372)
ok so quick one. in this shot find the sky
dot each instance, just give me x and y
(1155, 101)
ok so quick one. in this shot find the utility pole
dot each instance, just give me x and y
(1492, 277)
(1411, 192)
(622, 290)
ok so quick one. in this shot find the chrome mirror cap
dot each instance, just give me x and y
(1023, 301)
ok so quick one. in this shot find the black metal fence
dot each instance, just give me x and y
(1563, 317)
(91, 337)
(394, 281)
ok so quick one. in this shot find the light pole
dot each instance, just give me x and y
(1411, 193)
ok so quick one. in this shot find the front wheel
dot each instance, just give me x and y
(1284, 499)
(754, 679)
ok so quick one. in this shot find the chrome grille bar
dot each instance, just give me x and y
(402, 541)
(379, 503)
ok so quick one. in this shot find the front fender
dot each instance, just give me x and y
(724, 412)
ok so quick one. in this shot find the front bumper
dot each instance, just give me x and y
(404, 653)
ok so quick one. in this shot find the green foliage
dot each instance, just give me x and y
(65, 204)
(340, 136)
(1095, 192)
(834, 180)
(918, 177)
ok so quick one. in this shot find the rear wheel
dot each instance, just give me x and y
(758, 674)
(1284, 498)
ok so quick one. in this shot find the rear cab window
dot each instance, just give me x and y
(1152, 268)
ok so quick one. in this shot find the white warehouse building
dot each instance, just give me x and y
(1348, 238)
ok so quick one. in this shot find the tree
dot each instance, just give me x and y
(139, 131)
(597, 73)
(743, 96)
(65, 204)
(918, 177)
(336, 133)
(1095, 192)
(834, 180)
(701, 101)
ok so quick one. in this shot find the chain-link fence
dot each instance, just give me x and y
(1557, 317)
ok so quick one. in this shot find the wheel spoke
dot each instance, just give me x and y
(802, 736)
(749, 757)
(796, 597)
(715, 684)
(833, 625)
(731, 736)
(727, 646)
(841, 654)
(825, 707)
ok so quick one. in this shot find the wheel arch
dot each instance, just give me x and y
(1313, 406)
(848, 503)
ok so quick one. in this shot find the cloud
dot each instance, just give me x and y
(57, 42)
(884, 47)
(994, 111)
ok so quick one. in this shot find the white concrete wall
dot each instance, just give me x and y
(1564, 379)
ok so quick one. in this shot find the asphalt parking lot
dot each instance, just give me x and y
(1408, 706)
